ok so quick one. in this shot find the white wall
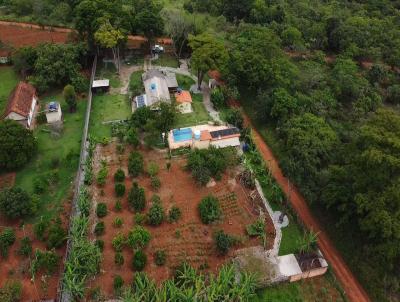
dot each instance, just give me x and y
(229, 142)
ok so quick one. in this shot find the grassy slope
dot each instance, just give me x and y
(197, 117)
(51, 148)
(8, 80)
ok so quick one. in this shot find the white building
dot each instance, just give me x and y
(53, 112)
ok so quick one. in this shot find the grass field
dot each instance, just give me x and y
(108, 71)
(105, 108)
(166, 60)
(197, 117)
(184, 82)
(55, 155)
(8, 80)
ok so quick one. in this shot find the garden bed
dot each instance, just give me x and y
(188, 239)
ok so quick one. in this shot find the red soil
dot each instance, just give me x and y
(195, 241)
(7, 180)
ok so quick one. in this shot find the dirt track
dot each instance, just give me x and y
(353, 289)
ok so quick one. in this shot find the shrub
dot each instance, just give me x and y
(7, 239)
(11, 291)
(16, 203)
(46, 261)
(70, 97)
(118, 284)
(155, 183)
(118, 242)
(84, 203)
(100, 244)
(17, 145)
(218, 99)
(132, 137)
(139, 260)
(57, 235)
(156, 214)
(257, 229)
(209, 209)
(139, 218)
(119, 259)
(168, 165)
(119, 189)
(153, 169)
(118, 206)
(137, 198)
(101, 210)
(119, 175)
(160, 257)
(174, 214)
(223, 242)
(118, 222)
(39, 185)
(135, 164)
(138, 237)
(40, 228)
(235, 118)
(102, 175)
(99, 229)
(26, 247)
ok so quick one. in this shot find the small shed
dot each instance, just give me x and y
(184, 101)
(53, 112)
(101, 85)
(5, 56)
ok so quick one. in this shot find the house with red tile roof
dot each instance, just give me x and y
(184, 101)
(21, 104)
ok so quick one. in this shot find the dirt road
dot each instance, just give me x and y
(350, 285)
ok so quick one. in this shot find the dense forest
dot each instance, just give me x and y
(321, 76)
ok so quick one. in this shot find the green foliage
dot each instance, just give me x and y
(155, 183)
(99, 244)
(118, 206)
(40, 228)
(119, 175)
(213, 162)
(235, 118)
(174, 214)
(118, 242)
(118, 283)
(139, 260)
(101, 210)
(209, 209)
(25, 248)
(308, 243)
(7, 239)
(11, 291)
(57, 235)
(16, 203)
(140, 218)
(137, 198)
(119, 189)
(160, 257)
(70, 97)
(135, 164)
(132, 137)
(257, 229)
(17, 145)
(119, 259)
(118, 222)
(138, 237)
(84, 202)
(46, 261)
(99, 229)
(102, 174)
(223, 242)
(153, 168)
(394, 94)
(156, 214)
(218, 99)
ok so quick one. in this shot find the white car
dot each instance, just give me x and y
(157, 49)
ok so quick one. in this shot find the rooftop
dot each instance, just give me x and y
(183, 97)
(101, 83)
(20, 99)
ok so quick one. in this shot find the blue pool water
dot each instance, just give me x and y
(181, 135)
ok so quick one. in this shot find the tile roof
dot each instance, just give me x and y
(205, 135)
(183, 97)
(20, 99)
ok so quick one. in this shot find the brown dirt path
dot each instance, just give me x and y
(353, 289)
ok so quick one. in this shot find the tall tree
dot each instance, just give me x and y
(208, 53)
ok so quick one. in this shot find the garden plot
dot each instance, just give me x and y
(187, 239)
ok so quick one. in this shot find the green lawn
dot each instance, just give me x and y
(108, 71)
(184, 82)
(197, 117)
(57, 155)
(136, 83)
(107, 107)
(8, 80)
(166, 60)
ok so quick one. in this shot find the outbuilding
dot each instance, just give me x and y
(101, 85)
(53, 112)
(184, 101)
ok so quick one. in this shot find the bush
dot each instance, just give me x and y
(153, 169)
(257, 229)
(99, 229)
(39, 186)
(135, 164)
(57, 236)
(155, 183)
(119, 175)
(139, 260)
(118, 242)
(118, 222)
(218, 99)
(101, 210)
(40, 229)
(11, 292)
(132, 137)
(174, 214)
(223, 242)
(138, 237)
(137, 198)
(102, 175)
(118, 206)
(209, 209)
(156, 214)
(118, 284)
(17, 145)
(7, 239)
(160, 257)
(139, 218)
(26, 247)
(119, 259)
(46, 261)
(119, 189)
(70, 97)
(235, 118)
(100, 244)
(16, 203)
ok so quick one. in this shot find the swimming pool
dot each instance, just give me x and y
(181, 135)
